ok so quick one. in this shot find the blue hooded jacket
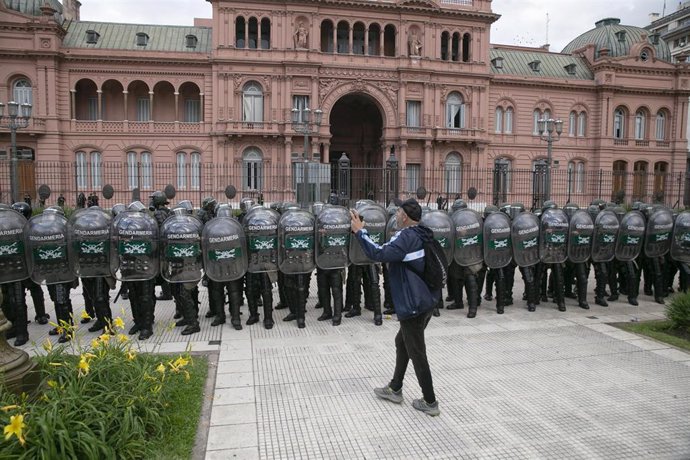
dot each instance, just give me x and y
(411, 295)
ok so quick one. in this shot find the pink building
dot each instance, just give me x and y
(142, 106)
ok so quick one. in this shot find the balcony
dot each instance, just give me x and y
(456, 134)
(414, 132)
(136, 127)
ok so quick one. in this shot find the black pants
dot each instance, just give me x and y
(410, 345)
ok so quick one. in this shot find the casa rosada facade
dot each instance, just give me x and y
(415, 77)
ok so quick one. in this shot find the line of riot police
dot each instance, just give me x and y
(245, 256)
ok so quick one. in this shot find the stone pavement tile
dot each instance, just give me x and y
(603, 328)
(673, 354)
(235, 354)
(621, 335)
(173, 347)
(240, 365)
(232, 437)
(235, 380)
(647, 344)
(490, 328)
(233, 414)
(224, 396)
(240, 454)
(203, 346)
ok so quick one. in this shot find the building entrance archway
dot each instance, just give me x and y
(357, 129)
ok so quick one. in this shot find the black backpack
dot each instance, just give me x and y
(435, 265)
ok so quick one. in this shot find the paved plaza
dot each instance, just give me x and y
(543, 385)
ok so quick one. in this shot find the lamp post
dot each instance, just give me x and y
(549, 126)
(17, 117)
(303, 123)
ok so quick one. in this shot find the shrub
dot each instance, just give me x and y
(678, 311)
(105, 402)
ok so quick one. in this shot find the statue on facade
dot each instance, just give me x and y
(414, 43)
(300, 36)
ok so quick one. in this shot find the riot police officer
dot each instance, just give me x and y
(468, 259)
(606, 227)
(498, 252)
(553, 248)
(159, 207)
(331, 258)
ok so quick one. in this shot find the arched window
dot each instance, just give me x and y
(620, 171)
(81, 170)
(343, 37)
(572, 124)
(453, 174)
(639, 180)
(253, 35)
(389, 35)
(455, 49)
(640, 124)
(576, 176)
(502, 181)
(661, 126)
(252, 103)
(327, 36)
(466, 46)
(181, 170)
(21, 92)
(581, 124)
(660, 179)
(445, 44)
(508, 122)
(455, 111)
(195, 170)
(358, 38)
(240, 30)
(139, 170)
(538, 115)
(265, 34)
(619, 124)
(374, 40)
(499, 119)
(96, 170)
(252, 174)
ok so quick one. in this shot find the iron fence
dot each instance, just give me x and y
(313, 181)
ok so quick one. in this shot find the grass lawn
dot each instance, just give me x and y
(659, 330)
(184, 411)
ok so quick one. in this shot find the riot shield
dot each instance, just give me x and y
(46, 244)
(525, 237)
(498, 251)
(553, 240)
(444, 231)
(224, 249)
(391, 227)
(332, 237)
(261, 230)
(88, 235)
(680, 247)
(657, 240)
(375, 221)
(13, 263)
(606, 228)
(296, 238)
(581, 232)
(134, 250)
(181, 259)
(468, 237)
(630, 236)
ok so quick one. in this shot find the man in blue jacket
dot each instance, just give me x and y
(413, 300)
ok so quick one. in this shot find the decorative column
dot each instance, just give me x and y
(381, 37)
(73, 103)
(150, 105)
(335, 39)
(125, 93)
(326, 158)
(100, 104)
(428, 165)
(287, 163)
(366, 41)
(177, 106)
(349, 41)
(203, 107)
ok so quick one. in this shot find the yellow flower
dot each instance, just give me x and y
(131, 355)
(48, 345)
(122, 338)
(52, 383)
(105, 338)
(9, 408)
(118, 323)
(16, 427)
(180, 362)
(83, 365)
(85, 315)
(161, 368)
(95, 343)
(55, 364)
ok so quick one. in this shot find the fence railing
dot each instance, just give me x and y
(281, 182)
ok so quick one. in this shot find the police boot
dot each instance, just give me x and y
(658, 284)
(136, 316)
(268, 315)
(582, 295)
(324, 293)
(39, 303)
(301, 305)
(252, 300)
(235, 320)
(146, 330)
(376, 303)
(21, 320)
(216, 303)
(532, 296)
(190, 312)
(472, 295)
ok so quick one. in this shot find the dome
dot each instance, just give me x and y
(618, 39)
(33, 7)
